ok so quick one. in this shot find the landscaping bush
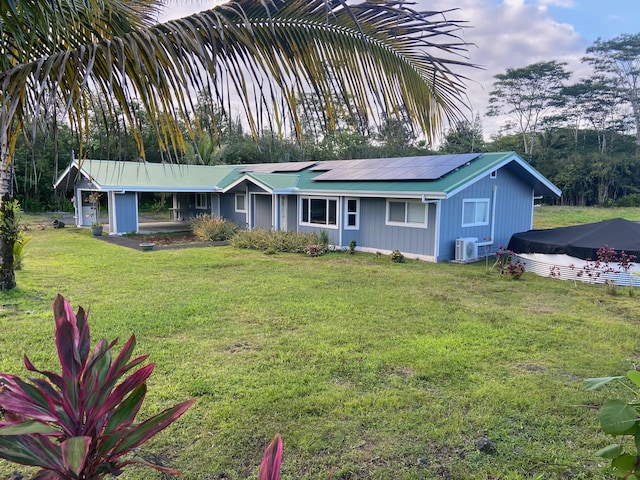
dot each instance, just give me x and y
(275, 241)
(397, 257)
(212, 229)
(632, 200)
(80, 423)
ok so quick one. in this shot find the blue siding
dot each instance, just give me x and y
(375, 234)
(228, 209)
(126, 212)
(513, 213)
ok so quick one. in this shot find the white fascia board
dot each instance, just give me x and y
(63, 175)
(370, 194)
(129, 188)
(285, 191)
(538, 176)
(248, 178)
(67, 171)
(433, 196)
(513, 158)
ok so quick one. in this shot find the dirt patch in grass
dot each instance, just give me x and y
(165, 239)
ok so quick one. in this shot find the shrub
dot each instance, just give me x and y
(18, 250)
(397, 257)
(609, 262)
(80, 424)
(314, 250)
(621, 418)
(506, 265)
(352, 247)
(324, 238)
(275, 241)
(212, 229)
(631, 200)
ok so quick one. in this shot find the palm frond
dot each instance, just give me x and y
(375, 57)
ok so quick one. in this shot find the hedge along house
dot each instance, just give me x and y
(435, 208)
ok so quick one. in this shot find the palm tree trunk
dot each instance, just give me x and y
(7, 222)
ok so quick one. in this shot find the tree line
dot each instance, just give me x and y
(583, 136)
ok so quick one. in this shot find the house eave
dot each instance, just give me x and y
(369, 193)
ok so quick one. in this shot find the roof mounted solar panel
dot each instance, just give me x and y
(388, 169)
(284, 167)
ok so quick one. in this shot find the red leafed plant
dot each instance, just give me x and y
(80, 424)
(270, 465)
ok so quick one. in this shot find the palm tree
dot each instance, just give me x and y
(378, 57)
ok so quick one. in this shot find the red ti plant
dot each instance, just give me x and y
(80, 424)
(270, 465)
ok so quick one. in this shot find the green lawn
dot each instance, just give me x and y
(549, 217)
(369, 369)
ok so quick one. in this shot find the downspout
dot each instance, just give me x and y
(493, 219)
(339, 214)
(533, 207)
(275, 206)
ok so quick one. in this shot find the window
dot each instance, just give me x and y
(352, 212)
(319, 211)
(406, 213)
(475, 212)
(241, 202)
(494, 174)
(201, 201)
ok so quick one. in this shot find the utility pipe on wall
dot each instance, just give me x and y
(493, 219)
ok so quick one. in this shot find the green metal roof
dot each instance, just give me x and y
(134, 176)
(270, 181)
(277, 181)
(142, 176)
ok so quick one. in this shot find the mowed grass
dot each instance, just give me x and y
(558, 216)
(369, 369)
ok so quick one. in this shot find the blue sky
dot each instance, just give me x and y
(598, 18)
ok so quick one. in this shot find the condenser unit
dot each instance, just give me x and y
(466, 249)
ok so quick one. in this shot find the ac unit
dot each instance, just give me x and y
(466, 249)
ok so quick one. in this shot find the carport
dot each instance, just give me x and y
(193, 189)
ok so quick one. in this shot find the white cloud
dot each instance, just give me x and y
(511, 34)
(557, 3)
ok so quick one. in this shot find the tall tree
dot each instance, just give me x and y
(464, 137)
(264, 55)
(593, 102)
(620, 58)
(526, 95)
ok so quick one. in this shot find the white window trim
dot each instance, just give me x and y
(199, 198)
(494, 174)
(406, 210)
(476, 201)
(235, 202)
(347, 213)
(319, 225)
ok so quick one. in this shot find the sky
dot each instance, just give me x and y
(514, 34)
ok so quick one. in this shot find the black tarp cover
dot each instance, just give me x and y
(580, 241)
